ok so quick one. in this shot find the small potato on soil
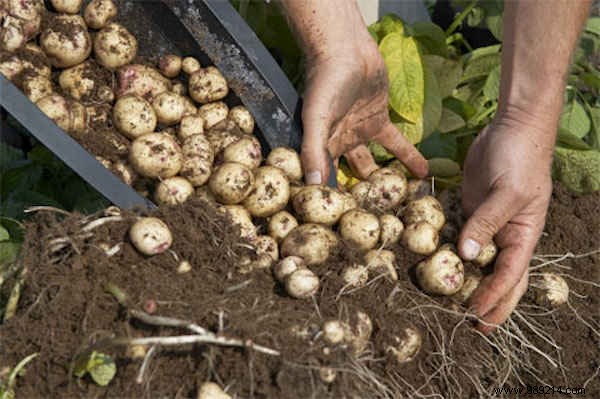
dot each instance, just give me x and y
(270, 194)
(441, 274)
(64, 50)
(189, 126)
(189, 65)
(243, 118)
(319, 204)
(210, 390)
(150, 236)
(420, 238)
(302, 284)
(213, 113)
(469, 286)
(37, 87)
(99, 12)
(133, 116)
(240, 216)
(173, 191)
(427, 209)
(334, 331)
(361, 228)
(287, 266)
(231, 183)
(125, 172)
(287, 160)
(246, 151)
(280, 225)
(115, 46)
(170, 65)
(169, 108)
(406, 348)
(391, 229)
(327, 375)
(382, 261)
(267, 245)
(550, 290)
(486, 255)
(311, 242)
(361, 333)
(355, 275)
(388, 190)
(207, 85)
(67, 6)
(156, 155)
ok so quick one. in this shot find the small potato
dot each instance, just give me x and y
(469, 286)
(280, 225)
(134, 117)
(170, 65)
(150, 236)
(486, 255)
(243, 118)
(10, 66)
(420, 238)
(156, 155)
(231, 183)
(141, 80)
(267, 245)
(240, 217)
(12, 34)
(203, 193)
(196, 170)
(334, 331)
(68, 115)
(67, 6)
(311, 242)
(361, 333)
(391, 229)
(198, 146)
(66, 42)
(418, 188)
(388, 189)
(99, 12)
(349, 202)
(382, 262)
(115, 46)
(356, 275)
(189, 126)
(179, 88)
(75, 82)
(425, 209)
(441, 274)
(37, 87)
(361, 228)
(270, 194)
(287, 266)
(327, 375)
(213, 113)
(319, 204)
(207, 85)
(173, 191)
(210, 390)
(189, 65)
(169, 108)
(125, 172)
(551, 289)
(406, 348)
(287, 160)
(105, 162)
(302, 284)
(246, 151)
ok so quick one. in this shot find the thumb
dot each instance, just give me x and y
(493, 213)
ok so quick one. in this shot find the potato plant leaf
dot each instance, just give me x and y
(431, 37)
(447, 72)
(480, 67)
(101, 367)
(389, 23)
(443, 167)
(491, 89)
(595, 136)
(406, 75)
(461, 108)
(578, 170)
(432, 108)
(575, 120)
(4, 236)
(450, 121)
(412, 131)
(568, 140)
(439, 146)
(593, 25)
(8, 252)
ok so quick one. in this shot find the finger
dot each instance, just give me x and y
(493, 214)
(502, 311)
(361, 161)
(317, 120)
(395, 142)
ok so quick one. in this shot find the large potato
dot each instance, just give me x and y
(441, 274)
(207, 85)
(246, 151)
(319, 204)
(78, 81)
(66, 42)
(287, 160)
(141, 80)
(99, 12)
(311, 242)
(361, 228)
(134, 116)
(231, 183)
(156, 155)
(270, 194)
(115, 46)
(388, 189)
(169, 108)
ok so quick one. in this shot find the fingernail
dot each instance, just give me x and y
(313, 178)
(470, 249)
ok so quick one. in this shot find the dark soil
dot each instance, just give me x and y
(64, 308)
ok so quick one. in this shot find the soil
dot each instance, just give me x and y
(64, 310)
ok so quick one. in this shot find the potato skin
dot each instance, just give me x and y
(427, 209)
(486, 255)
(243, 118)
(391, 229)
(67, 6)
(246, 151)
(231, 183)
(99, 12)
(189, 126)
(361, 228)
(382, 261)
(319, 204)
(270, 194)
(156, 155)
(241, 217)
(170, 65)
(141, 80)
(133, 116)
(441, 274)
(150, 236)
(287, 160)
(207, 85)
(213, 113)
(66, 52)
(169, 108)
(311, 242)
(189, 65)
(115, 46)
(173, 191)
(420, 238)
(387, 191)
(280, 225)
(37, 87)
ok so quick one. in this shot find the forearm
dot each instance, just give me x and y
(538, 42)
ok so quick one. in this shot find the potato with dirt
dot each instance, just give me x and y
(550, 289)
(442, 273)
(421, 238)
(141, 80)
(405, 347)
(242, 118)
(287, 266)
(211, 390)
(311, 242)
(133, 116)
(115, 46)
(280, 225)
(355, 275)
(270, 194)
(302, 284)
(69, 115)
(83, 82)
(37, 87)
(213, 113)
(287, 160)
(98, 13)
(170, 65)
(156, 155)
(360, 228)
(150, 236)
(67, 6)
(198, 158)
(20, 21)
(486, 255)
(207, 85)
(246, 151)
(66, 41)
(231, 183)
(239, 216)
(381, 261)
(388, 189)
(391, 230)
(319, 204)
(169, 108)
(173, 191)
(189, 126)
(425, 209)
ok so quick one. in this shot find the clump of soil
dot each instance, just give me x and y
(64, 308)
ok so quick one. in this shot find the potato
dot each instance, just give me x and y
(267, 245)
(179, 88)
(68, 115)
(115, 46)
(210, 390)
(382, 262)
(420, 238)
(37, 87)
(184, 267)
(243, 118)
(240, 217)
(287, 160)
(196, 170)
(35, 61)
(334, 331)
(125, 172)
(66, 42)
(355, 275)
(287, 266)
(327, 375)
(203, 193)
(388, 190)
(231, 183)
(221, 138)
(76, 81)
(189, 126)
(67, 6)
(406, 348)
(10, 65)
(319, 204)
(280, 225)
(207, 85)
(418, 188)
(173, 191)
(99, 12)
(189, 65)
(349, 202)
(170, 65)
(134, 117)
(311, 242)
(360, 192)
(270, 194)
(156, 155)
(469, 286)
(361, 333)
(551, 290)
(246, 151)
(12, 34)
(141, 80)
(486, 255)
(302, 284)
(213, 113)
(425, 209)
(361, 228)
(391, 230)
(198, 145)
(295, 188)
(169, 108)
(150, 236)
(441, 274)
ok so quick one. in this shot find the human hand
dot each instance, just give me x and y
(506, 192)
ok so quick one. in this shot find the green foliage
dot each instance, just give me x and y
(99, 366)
(578, 170)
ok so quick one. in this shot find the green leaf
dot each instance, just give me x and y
(438, 146)
(4, 236)
(568, 140)
(8, 154)
(470, 91)
(491, 89)
(447, 72)
(462, 108)
(8, 252)
(593, 25)
(406, 75)
(595, 137)
(380, 154)
(475, 17)
(493, 17)
(432, 109)
(102, 369)
(482, 52)
(443, 167)
(450, 121)
(480, 67)
(431, 37)
(412, 131)
(575, 119)
(591, 80)
(389, 23)
(578, 170)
